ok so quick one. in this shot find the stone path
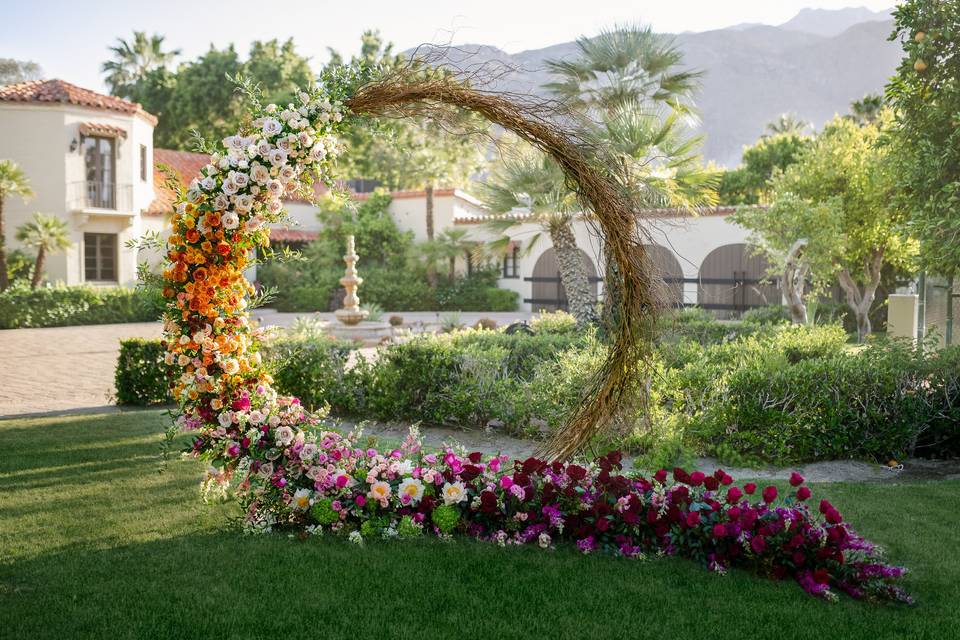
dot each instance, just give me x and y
(70, 368)
(62, 368)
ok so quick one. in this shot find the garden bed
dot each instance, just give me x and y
(97, 544)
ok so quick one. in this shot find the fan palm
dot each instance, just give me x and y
(532, 183)
(622, 65)
(13, 182)
(866, 110)
(786, 123)
(48, 235)
(133, 60)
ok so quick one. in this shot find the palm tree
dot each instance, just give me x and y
(623, 65)
(46, 234)
(786, 123)
(534, 184)
(867, 109)
(13, 182)
(132, 60)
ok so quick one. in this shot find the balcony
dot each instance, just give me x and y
(97, 196)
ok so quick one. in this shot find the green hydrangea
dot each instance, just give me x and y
(369, 528)
(408, 528)
(446, 518)
(323, 512)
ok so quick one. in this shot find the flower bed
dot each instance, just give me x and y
(289, 473)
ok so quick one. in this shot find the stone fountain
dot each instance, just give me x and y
(351, 314)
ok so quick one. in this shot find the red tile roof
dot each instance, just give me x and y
(97, 128)
(292, 235)
(63, 92)
(185, 164)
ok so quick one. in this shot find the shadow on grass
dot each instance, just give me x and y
(222, 584)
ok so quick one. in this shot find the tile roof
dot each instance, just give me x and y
(185, 164)
(521, 214)
(58, 91)
(97, 128)
(292, 235)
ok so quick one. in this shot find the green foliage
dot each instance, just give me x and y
(141, 378)
(323, 512)
(555, 322)
(925, 96)
(197, 95)
(476, 292)
(312, 368)
(60, 306)
(750, 182)
(446, 518)
(770, 314)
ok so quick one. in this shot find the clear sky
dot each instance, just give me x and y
(69, 39)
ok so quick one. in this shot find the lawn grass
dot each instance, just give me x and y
(95, 542)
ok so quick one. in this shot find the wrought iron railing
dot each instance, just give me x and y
(94, 194)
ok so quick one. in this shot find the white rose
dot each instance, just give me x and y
(229, 187)
(277, 157)
(244, 202)
(230, 220)
(271, 127)
(240, 179)
(274, 206)
(275, 187)
(253, 224)
(259, 174)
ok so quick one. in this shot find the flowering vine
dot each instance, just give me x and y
(289, 472)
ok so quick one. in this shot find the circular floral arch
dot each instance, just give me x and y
(288, 471)
(223, 216)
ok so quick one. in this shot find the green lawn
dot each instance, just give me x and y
(95, 542)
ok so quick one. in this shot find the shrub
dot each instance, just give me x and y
(770, 314)
(312, 368)
(141, 376)
(486, 323)
(303, 298)
(554, 322)
(396, 321)
(60, 305)
(476, 292)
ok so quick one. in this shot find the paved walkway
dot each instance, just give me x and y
(70, 368)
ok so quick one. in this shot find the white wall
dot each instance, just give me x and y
(38, 138)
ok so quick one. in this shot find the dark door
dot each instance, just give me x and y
(100, 155)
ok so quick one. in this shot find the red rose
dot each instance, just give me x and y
(733, 513)
(798, 558)
(726, 479)
(796, 479)
(733, 495)
(833, 516)
(602, 524)
(576, 472)
(719, 531)
(696, 479)
(803, 493)
(680, 475)
(223, 248)
(758, 544)
(750, 488)
(821, 576)
(711, 483)
(660, 476)
(769, 494)
(475, 457)
(693, 518)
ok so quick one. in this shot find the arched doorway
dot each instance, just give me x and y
(731, 281)
(666, 267)
(547, 292)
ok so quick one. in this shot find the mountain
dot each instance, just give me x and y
(754, 73)
(827, 22)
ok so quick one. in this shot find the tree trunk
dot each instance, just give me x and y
(3, 250)
(431, 265)
(38, 268)
(573, 274)
(859, 300)
(453, 268)
(794, 282)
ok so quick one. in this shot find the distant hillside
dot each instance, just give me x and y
(753, 72)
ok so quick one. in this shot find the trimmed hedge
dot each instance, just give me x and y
(60, 306)
(785, 394)
(141, 376)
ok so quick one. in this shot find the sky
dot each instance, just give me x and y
(69, 39)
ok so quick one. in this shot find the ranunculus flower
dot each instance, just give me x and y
(833, 516)
(796, 479)
(660, 476)
(693, 518)
(696, 478)
(769, 494)
(734, 494)
(803, 493)
(711, 483)
(750, 488)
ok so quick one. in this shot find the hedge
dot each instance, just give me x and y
(60, 305)
(784, 395)
(141, 376)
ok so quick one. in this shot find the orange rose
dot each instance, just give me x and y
(193, 236)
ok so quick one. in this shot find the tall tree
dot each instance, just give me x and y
(534, 183)
(13, 182)
(133, 59)
(47, 235)
(867, 109)
(925, 96)
(14, 71)
(838, 199)
(750, 182)
(621, 66)
(787, 123)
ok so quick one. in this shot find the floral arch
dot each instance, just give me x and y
(288, 472)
